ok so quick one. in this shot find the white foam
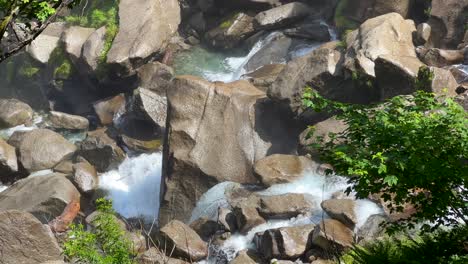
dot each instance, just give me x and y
(135, 187)
(6, 133)
(3, 187)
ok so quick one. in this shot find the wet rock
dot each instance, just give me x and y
(145, 146)
(331, 234)
(73, 39)
(154, 256)
(42, 47)
(14, 113)
(440, 58)
(278, 168)
(236, 116)
(281, 16)
(43, 196)
(372, 228)
(42, 149)
(275, 51)
(286, 242)
(284, 206)
(8, 160)
(247, 218)
(93, 48)
(231, 31)
(150, 106)
(460, 73)
(321, 129)
(185, 242)
(315, 31)
(101, 150)
(423, 34)
(341, 210)
(59, 120)
(227, 219)
(144, 35)
(263, 77)
(156, 77)
(377, 37)
(243, 258)
(85, 175)
(205, 227)
(447, 20)
(108, 108)
(24, 240)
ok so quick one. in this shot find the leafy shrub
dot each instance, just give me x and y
(410, 149)
(105, 245)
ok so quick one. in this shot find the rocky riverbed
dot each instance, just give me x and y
(191, 120)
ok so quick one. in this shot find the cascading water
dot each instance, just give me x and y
(134, 186)
(315, 187)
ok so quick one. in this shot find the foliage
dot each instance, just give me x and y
(410, 149)
(63, 71)
(105, 245)
(447, 246)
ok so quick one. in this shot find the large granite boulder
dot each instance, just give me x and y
(155, 256)
(93, 49)
(284, 206)
(231, 31)
(145, 28)
(43, 196)
(42, 149)
(332, 234)
(14, 113)
(278, 168)
(151, 106)
(25, 240)
(247, 217)
(8, 160)
(448, 22)
(281, 16)
(183, 241)
(84, 176)
(156, 77)
(203, 116)
(342, 210)
(320, 130)
(42, 47)
(59, 120)
(73, 39)
(108, 108)
(101, 150)
(441, 58)
(291, 242)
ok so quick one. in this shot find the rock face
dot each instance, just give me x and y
(14, 113)
(332, 234)
(101, 150)
(236, 116)
(42, 149)
(341, 210)
(290, 242)
(61, 120)
(278, 168)
(185, 242)
(448, 20)
(231, 31)
(8, 160)
(108, 108)
(43, 196)
(145, 28)
(284, 206)
(388, 34)
(24, 240)
(281, 16)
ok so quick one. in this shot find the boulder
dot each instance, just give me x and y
(59, 120)
(231, 31)
(84, 176)
(145, 28)
(462, 99)
(8, 160)
(43, 196)
(205, 227)
(25, 240)
(41, 48)
(101, 150)
(227, 219)
(284, 206)
(42, 149)
(108, 108)
(65, 167)
(341, 210)
(388, 34)
(278, 168)
(183, 241)
(155, 256)
(263, 77)
(331, 234)
(247, 217)
(14, 113)
(151, 106)
(281, 16)
(312, 30)
(423, 34)
(448, 20)
(321, 129)
(236, 116)
(276, 50)
(440, 58)
(156, 77)
(372, 228)
(93, 48)
(443, 82)
(73, 39)
(291, 242)
(142, 146)
(243, 258)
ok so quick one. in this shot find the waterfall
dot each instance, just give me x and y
(134, 186)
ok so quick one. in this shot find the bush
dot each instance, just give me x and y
(410, 149)
(105, 245)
